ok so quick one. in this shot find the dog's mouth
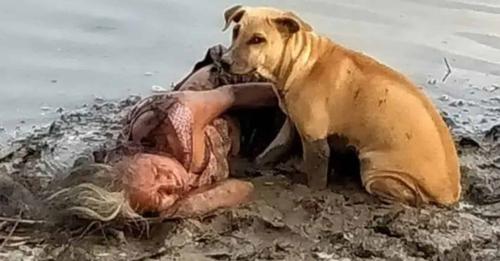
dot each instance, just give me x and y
(247, 72)
(241, 71)
(252, 71)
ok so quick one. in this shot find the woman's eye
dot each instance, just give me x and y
(256, 40)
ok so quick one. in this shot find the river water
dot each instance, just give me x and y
(58, 54)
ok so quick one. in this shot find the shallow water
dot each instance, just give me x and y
(62, 54)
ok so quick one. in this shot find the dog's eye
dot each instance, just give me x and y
(256, 40)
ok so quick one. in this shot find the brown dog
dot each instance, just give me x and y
(406, 151)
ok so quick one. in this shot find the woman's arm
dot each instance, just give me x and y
(196, 81)
(210, 104)
(250, 95)
(225, 194)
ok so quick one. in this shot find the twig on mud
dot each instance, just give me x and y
(103, 233)
(489, 215)
(14, 238)
(448, 68)
(118, 235)
(160, 252)
(17, 244)
(146, 221)
(3, 224)
(143, 229)
(22, 221)
(86, 230)
(11, 230)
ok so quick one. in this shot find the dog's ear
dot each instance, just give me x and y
(291, 23)
(233, 14)
(303, 25)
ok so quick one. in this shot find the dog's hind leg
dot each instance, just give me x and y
(393, 187)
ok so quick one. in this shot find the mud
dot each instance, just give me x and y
(286, 221)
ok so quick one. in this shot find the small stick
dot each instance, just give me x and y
(490, 215)
(19, 243)
(22, 221)
(3, 224)
(159, 253)
(14, 238)
(87, 229)
(103, 233)
(11, 231)
(448, 68)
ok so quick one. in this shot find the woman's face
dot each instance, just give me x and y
(153, 182)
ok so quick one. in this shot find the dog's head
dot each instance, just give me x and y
(259, 38)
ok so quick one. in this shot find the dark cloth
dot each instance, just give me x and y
(218, 76)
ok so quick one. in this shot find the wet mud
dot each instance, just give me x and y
(285, 221)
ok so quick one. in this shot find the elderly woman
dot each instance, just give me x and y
(175, 147)
(185, 143)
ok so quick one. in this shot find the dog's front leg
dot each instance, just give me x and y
(316, 155)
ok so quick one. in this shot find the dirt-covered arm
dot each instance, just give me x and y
(225, 194)
(251, 95)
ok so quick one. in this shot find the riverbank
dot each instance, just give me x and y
(286, 221)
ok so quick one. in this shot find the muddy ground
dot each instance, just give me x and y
(285, 222)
